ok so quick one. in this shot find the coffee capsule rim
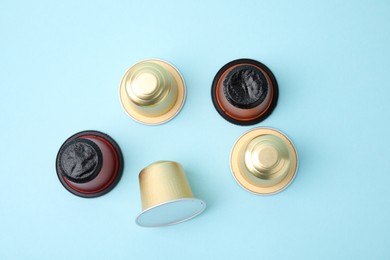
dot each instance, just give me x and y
(117, 177)
(266, 113)
(238, 174)
(172, 113)
(201, 203)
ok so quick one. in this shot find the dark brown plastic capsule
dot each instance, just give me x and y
(244, 92)
(89, 164)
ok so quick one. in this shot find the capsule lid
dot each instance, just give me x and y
(171, 212)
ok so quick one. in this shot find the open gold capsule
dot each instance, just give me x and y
(152, 92)
(264, 161)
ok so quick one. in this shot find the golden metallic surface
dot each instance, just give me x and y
(166, 196)
(264, 161)
(161, 182)
(152, 92)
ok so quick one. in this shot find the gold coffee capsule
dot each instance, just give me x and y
(166, 196)
(152, 92)
(264, 161)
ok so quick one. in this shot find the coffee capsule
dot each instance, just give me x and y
(264, 161)
(152, 92)
(89, 164)
(244, 92)
(166, 196)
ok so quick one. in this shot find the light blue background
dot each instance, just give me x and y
(60, 68)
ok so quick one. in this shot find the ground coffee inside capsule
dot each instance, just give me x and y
(245, 87)
(81, 161)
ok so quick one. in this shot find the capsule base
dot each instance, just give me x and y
(155, 120)
(247, 179)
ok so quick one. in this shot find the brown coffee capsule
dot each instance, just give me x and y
(264, 161)
(244, 92)
(89, 164)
